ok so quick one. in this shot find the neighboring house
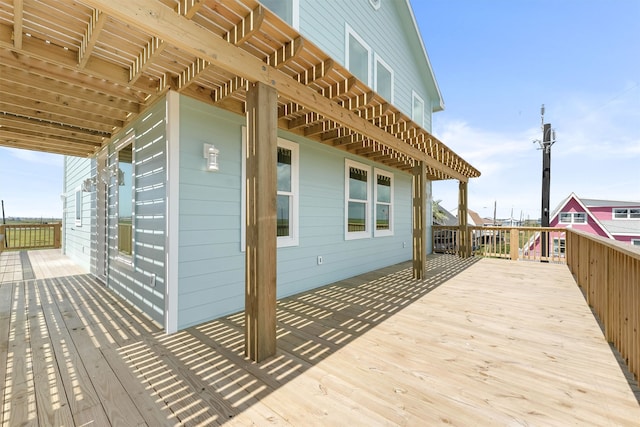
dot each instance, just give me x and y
(617, 220)
(159, 213)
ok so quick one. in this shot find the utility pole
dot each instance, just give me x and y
(548, 139)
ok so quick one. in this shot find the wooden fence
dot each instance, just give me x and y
(513, 243)
(30, 236)
(608, 272)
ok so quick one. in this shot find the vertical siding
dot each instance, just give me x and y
(211, 262)
(388, 32)
(77, 238)
(142, 282)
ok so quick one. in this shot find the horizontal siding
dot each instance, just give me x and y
(142, 282)
(211, 263)
(77, 238)
(396, 45)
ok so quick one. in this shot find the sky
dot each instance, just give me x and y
(496, 62)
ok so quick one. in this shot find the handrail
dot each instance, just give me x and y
(513, 243)
(31, 236)
(608, 272)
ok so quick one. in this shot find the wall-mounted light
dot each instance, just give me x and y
(89, 184)
(211, 155)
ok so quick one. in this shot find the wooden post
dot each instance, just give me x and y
(57, 233)
(419, 221)
(465, 238)
(261, 240)
(514, 244)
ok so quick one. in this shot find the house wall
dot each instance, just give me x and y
(140, 278)
(387, 31)
(211, 257)
(590, 227)
(77, 236)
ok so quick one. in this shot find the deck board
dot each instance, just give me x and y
(479, 342)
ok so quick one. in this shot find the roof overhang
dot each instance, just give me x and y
(74, 73)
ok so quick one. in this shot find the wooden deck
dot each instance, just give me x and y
(481, 342)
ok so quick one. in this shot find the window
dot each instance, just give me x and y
(417, 109)
(124, 185)
(287, 194)
(358, 56)
(356, 200)
(79, 207)
(626, 213)
(573, 218)
(635, 242)
(287, 10)
(559, 246)
(383, 79)
(287, 203)
(384, 203)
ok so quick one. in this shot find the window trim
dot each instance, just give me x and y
(353, 235)
(295, 14)
(293, 238)
(414, 97)
(282, 241)
(559, 246)
(130, 138)
(350, 32)
(628, 214)
(573, 216)
(78, 207)
(390, 231)
(378, 60)
(375, 4)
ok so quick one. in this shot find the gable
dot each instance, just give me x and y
(574, 204)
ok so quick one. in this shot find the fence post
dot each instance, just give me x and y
(57, 241)
(513, 243)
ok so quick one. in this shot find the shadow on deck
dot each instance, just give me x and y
(479, 342)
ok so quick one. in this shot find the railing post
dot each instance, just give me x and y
(57, 233)
(513, 243)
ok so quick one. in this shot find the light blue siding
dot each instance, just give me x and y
(388, 31)
(142, 280)
(76, 238)
(211, 262)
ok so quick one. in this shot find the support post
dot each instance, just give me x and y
(419, 221)
(546, 189)
(465, 237)
(261, 240)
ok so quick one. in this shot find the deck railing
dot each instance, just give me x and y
(30, 236)
(513, 243)
(608, 272)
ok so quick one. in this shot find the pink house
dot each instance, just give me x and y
(616, 220)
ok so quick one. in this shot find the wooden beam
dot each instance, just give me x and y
(316, 72)
(64, 91)
(303, 120)
(286, 53)
(53, 129)
(91, 34)
(191, 73)
(165, 23)
(189, 8)
(18, 9)
(229, 88)
(246, 28)
(152, 51)
(261, 240)
(58, 56)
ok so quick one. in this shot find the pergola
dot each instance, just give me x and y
(74, 73)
